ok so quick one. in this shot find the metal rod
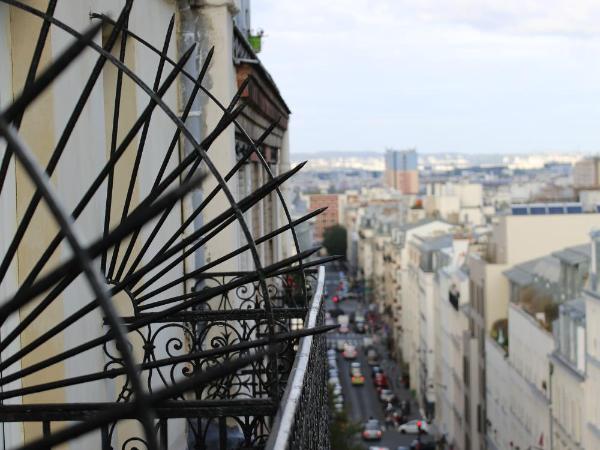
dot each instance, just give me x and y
(193, 299)
(218, 351)
(113, 142)
(224, 258)
(140, 149)
(156, 399)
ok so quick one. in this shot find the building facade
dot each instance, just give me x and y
(329, 217)
(402, 171)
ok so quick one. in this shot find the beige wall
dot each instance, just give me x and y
(83, 157)
(528, 237)
(12, 435)
(215, 18)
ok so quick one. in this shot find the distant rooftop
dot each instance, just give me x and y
(574, 255)
(432, 243)
(533, 209)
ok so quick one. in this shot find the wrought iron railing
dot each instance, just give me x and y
(104, 341)
(302, 421)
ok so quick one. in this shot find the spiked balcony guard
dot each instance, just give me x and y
(209, 359)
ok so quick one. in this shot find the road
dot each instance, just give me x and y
(362, 402)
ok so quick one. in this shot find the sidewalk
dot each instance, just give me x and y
(393, 373)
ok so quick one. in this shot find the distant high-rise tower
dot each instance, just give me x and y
(401, 171)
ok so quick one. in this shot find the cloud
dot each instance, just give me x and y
(468, 75)
(577, 18)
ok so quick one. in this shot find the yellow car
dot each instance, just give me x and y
(358, 380)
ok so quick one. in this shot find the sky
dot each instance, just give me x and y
(473, 76)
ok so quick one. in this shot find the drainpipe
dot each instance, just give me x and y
(551, 437)
(186, 37)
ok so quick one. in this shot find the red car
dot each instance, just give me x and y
(380, 381)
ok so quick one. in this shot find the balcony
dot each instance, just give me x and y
(141, 336)
(303, 417)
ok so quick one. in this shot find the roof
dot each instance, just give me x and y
(574, 255)
(547, 267)
(258, 64)
(519, 276)
(429, 244)
(420, 223)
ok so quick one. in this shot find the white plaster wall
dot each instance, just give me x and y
(498, 384)
(569, 409)
(591, 425)
(452, 325)
(517, 405)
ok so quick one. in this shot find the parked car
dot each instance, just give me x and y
(334, 381)
(380, 380)
(360, 327)
(416, 445)
(372, 357)
(341, 345)
(412, 427)
(343, 319)
(344, 329)
(387, 396)
(349, 352)
(372, 430)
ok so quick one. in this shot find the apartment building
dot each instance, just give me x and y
(514, 239)
(417, 336)
(455, 202)
(104, 120)
(329, 217)
(586, 173)
(568, 370)
(402, 171)
(451, 328)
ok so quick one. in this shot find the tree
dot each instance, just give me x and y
(334, 240)
(342, 431)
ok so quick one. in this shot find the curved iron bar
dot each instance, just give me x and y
(201, 151)
(244, 133)
(177, 121)
(169, 113)
(11, 306)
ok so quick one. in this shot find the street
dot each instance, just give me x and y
(362, 402)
